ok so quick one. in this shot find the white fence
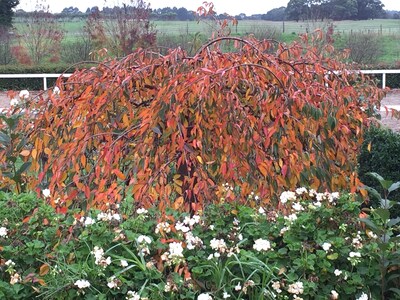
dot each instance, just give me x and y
(383, 72)
(45, 76)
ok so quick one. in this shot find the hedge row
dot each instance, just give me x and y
(382, 157)
(32, 83)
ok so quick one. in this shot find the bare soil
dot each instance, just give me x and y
(392, 98)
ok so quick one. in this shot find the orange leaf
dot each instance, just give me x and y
(178, 203)
(44, 269)
(119, 174)
(25, 153)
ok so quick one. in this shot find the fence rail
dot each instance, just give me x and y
(44, 76)
(51, 75)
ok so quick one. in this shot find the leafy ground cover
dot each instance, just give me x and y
(315, 247)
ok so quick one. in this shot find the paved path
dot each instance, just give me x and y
(392, 100)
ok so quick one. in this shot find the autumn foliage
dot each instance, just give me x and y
(171, 130)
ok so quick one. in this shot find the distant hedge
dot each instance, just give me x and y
(31, 83)
(382, 158)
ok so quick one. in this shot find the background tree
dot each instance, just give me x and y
(276, 14)
(6, 12)
(334, 9)
(122, 29)
(369, 9)
(40, 40)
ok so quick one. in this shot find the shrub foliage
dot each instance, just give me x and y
(171, 129)
(381, 153)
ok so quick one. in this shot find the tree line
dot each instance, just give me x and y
(334, 9)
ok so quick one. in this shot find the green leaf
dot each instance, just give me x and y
(331, 122)
(394, 186)
(397, 291)
(369, 223)
(373, 192)
(5, 139)
(383, 213)
(25, 166)
(393, 222)
(384, 183)
(376, 176)
(332, 256)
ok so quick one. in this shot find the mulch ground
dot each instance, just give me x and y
(392, 98)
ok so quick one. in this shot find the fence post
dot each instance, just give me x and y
(45, 83)
(383, 80)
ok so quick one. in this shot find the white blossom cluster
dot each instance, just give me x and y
(100, 259)
(143, 244)
(174, 255)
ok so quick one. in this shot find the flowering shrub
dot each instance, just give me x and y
(316, 249)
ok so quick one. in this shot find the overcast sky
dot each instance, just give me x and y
(235, 7)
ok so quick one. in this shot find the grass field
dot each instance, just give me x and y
(173, 33)
(382, 26)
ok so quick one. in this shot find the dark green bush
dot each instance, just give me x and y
(383, 158)
(31, 83)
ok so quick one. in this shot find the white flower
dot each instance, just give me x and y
(238, 287)
(181, 227)
(191, 221)
(24, 94)
(354, 258)
(130, 295)
(287, 196)
(283, 230)
(192, 241)
(89, 221)
(219, 245)
(112, 283)
(261, 245)
(210, 257)
(276, 285)
(363, 296)
(226, 295)
(337, 272)
(163, 227)
(297, 206)
(82, 284)
(354, 254)
(326, 246)
(291, 218)
(56, 90)
(46, 193)
(296, 288)
(371, 234)
(334, 295)
(123, 263)
(176, 249)
(143, 239)
(204, 296)
(15, 278)
(10, 263)
(3, 232)
(14, 102)
(211, 227)
(141, 211)
(116, 217)
(261, 211)
(300, 191)
(100, 260)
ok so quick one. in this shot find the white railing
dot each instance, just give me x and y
(383, 72)
(45, 76)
